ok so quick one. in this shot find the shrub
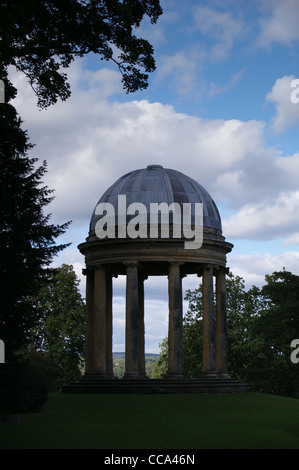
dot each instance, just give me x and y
(22, 388)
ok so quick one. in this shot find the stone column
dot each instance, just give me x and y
(100, 321)
(109, 325)
(209, 361)
(175, 325)
(89, 272)
(132, 307)
(221, 332)
(141, 349)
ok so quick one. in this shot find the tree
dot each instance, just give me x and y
(244, 348)
(42, 38)
(261, 324)
(59, 332)
(241, 307)
(277, 326)
(27, 238)
(161, 366)
(192, 334)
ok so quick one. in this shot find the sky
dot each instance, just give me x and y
(221, 107)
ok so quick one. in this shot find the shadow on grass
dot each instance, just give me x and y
(189, 421)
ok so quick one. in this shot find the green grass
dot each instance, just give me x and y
(222, 421)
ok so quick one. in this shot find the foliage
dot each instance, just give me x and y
(261, 324)
(46, 366)
(22, 387)
(59, 332)
(277, 325)
(42, 38)
(161, 367)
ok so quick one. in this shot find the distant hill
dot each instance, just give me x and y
(121, 355)
(119, 363)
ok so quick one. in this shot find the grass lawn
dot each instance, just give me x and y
(190, 421)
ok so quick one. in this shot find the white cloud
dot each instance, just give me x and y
(287, 111)
(293, 239)
(253, 267)
(90, 141)
(265, 221)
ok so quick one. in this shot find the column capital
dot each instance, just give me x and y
(221, 270)
(131, 264)
(176, 263)
(208, 266)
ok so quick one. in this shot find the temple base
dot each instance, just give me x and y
(151, 386)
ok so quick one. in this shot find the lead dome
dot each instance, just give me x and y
(155, 184)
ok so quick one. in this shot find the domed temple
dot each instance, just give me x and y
(154, 222)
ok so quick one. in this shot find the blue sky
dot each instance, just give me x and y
(217, 108)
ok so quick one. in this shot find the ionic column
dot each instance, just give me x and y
(132, 307)
(209, 361)
(221, 331)
(89, 272)
(175, 324)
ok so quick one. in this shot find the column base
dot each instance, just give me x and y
(97, 376)
(133, 375)
(210, 375)
(174, 376)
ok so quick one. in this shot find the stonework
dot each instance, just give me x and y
(137, 259)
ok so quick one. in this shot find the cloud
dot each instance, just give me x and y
(253, 267)
(285, 98)
(213, 34)
(280, 25)
(221, 28)
(91, 140)
(182, 69)
(265, 221)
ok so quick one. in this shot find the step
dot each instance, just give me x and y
(185, 385)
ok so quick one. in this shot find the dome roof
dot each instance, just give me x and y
(156, 184)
